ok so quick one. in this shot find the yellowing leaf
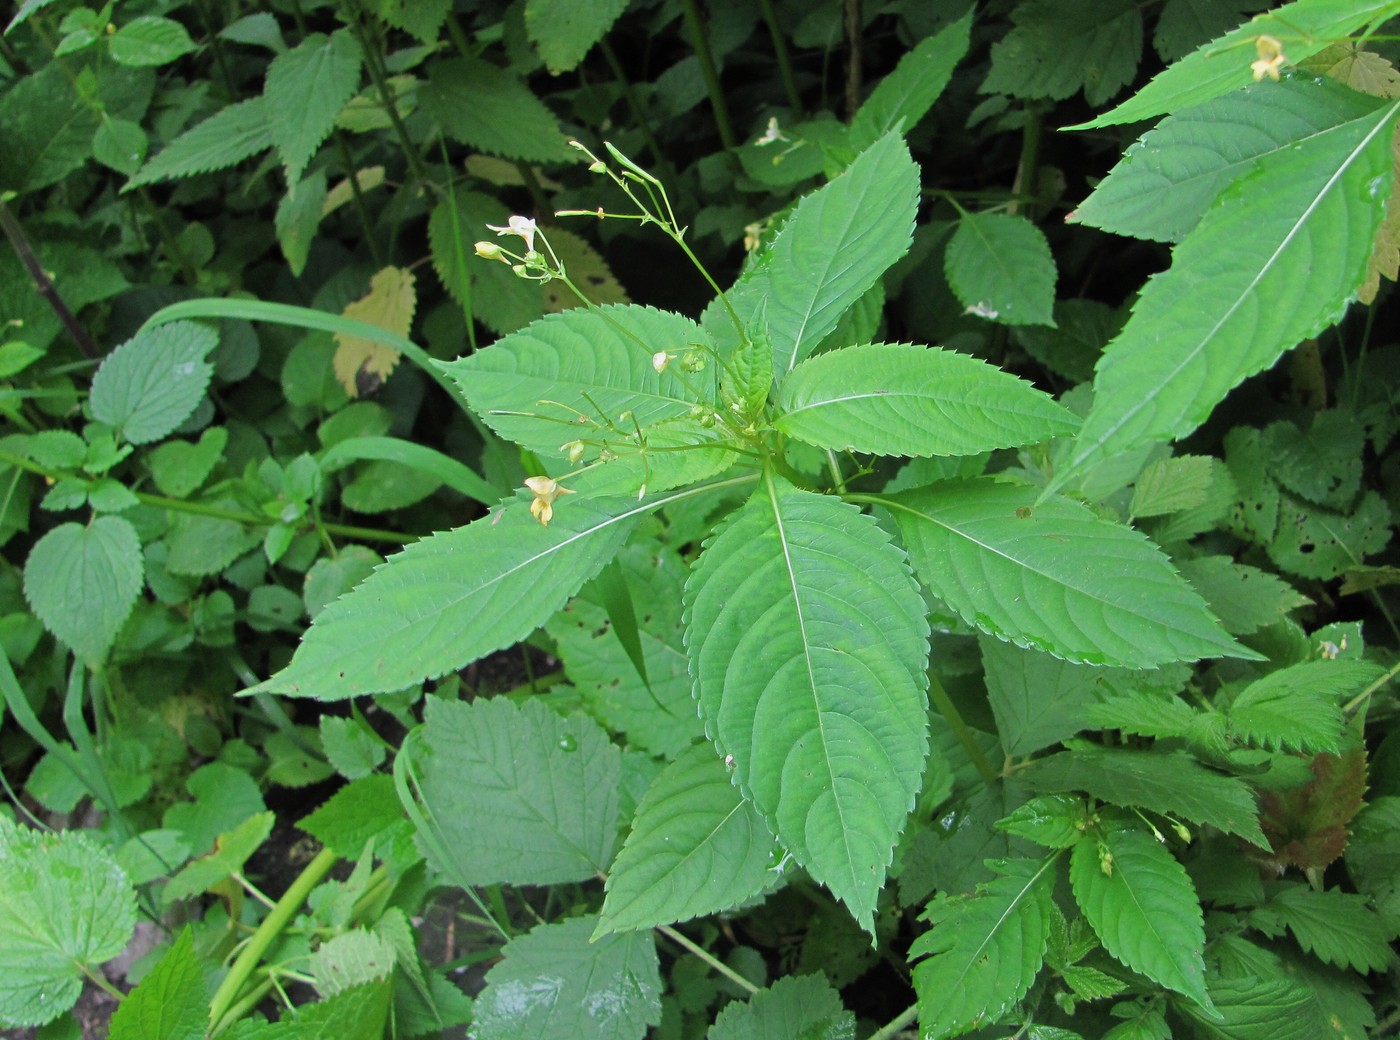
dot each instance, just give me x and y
(362, 365)
(341, 193)
(1363, 71)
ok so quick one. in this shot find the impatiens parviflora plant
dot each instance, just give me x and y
(762, 435)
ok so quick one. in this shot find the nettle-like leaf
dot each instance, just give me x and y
(231, 850)
(554, 981)
(902, 98)
(696, 847)
(1059, 46)
(496, 297)
(486, 107)
(1170, 784)
(1297, 707)
(1171, 485)
(796, 1007)
(151, 383)
(566, 30)
(454, 596)
(1056, 821)
(1143, 907)
(1000, 268)
(984, 950)
(1244, 598)
(170, 1003)
(305, 90)
(83, 580)
(1166, 181)
(1334, 926)
(1053, 576)
(389, 304)
(808, 644)
(1184, 25)
(1036, 699)
(833, 247)
(1275, 1008)
(1321, 464)
(65, 907)
(1317, 543)
(1223, 65)
(902, 399)
(225, 139)
(1275, 260)
(517, 794)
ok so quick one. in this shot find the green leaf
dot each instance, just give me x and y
(834, 246)
(360, 811)
(492, 292)
(151, 383)
(1223, 65)
(1336, 927)
(330, 578)
(566, 30)
(65, 907)
(179, 467)
(1323, 464)
(796, 1007)
(1052, 576)
(353, 1014)
(1171, 485)
(1257, 1009)
(82, 582)
(47, 129)
(1245, 598)
(696, 848)
(170, 1003)
(1144, 715)
(573, 375)
(903, 97)
(225, 139)
(1057, 46)
(555, 982)
(1000, 268)
(225, 796)
(354, 751)
(984, 950)
(1143, 907)
(519, 795)
(808, 644)
(298, 218)
(1274, 261)
(120, 144)
(659, 717)
(1317, 543)
(1297, 707)
(1186, 24)
(1056, 821)
(1171, 784)
(306, 89)
(1166, 181)
(1037, 700)
(231, 851)
(481, 105)
(351, 959)
(149, 41)
(899, 399)
(455, 596)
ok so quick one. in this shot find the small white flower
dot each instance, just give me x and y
(772, 135)
(660, 360)
(524, 227)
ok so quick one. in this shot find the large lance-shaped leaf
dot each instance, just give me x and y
(1275, 261)
(1143, 906)
(454, 596)
(984, 950)
(590, 376)
(1000, 268)
(306, 89)
(834, 246)
(903, 97)
(808, 644)
(1169, 178)
(519, 794)
(899, 399)
(1216, 68)
(1053, 576)
(696, 848)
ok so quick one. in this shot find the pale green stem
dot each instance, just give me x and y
(709, 958)
(898, 1025)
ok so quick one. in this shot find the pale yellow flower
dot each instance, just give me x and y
(545, 491)
(1271, 58)
(523, 227)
